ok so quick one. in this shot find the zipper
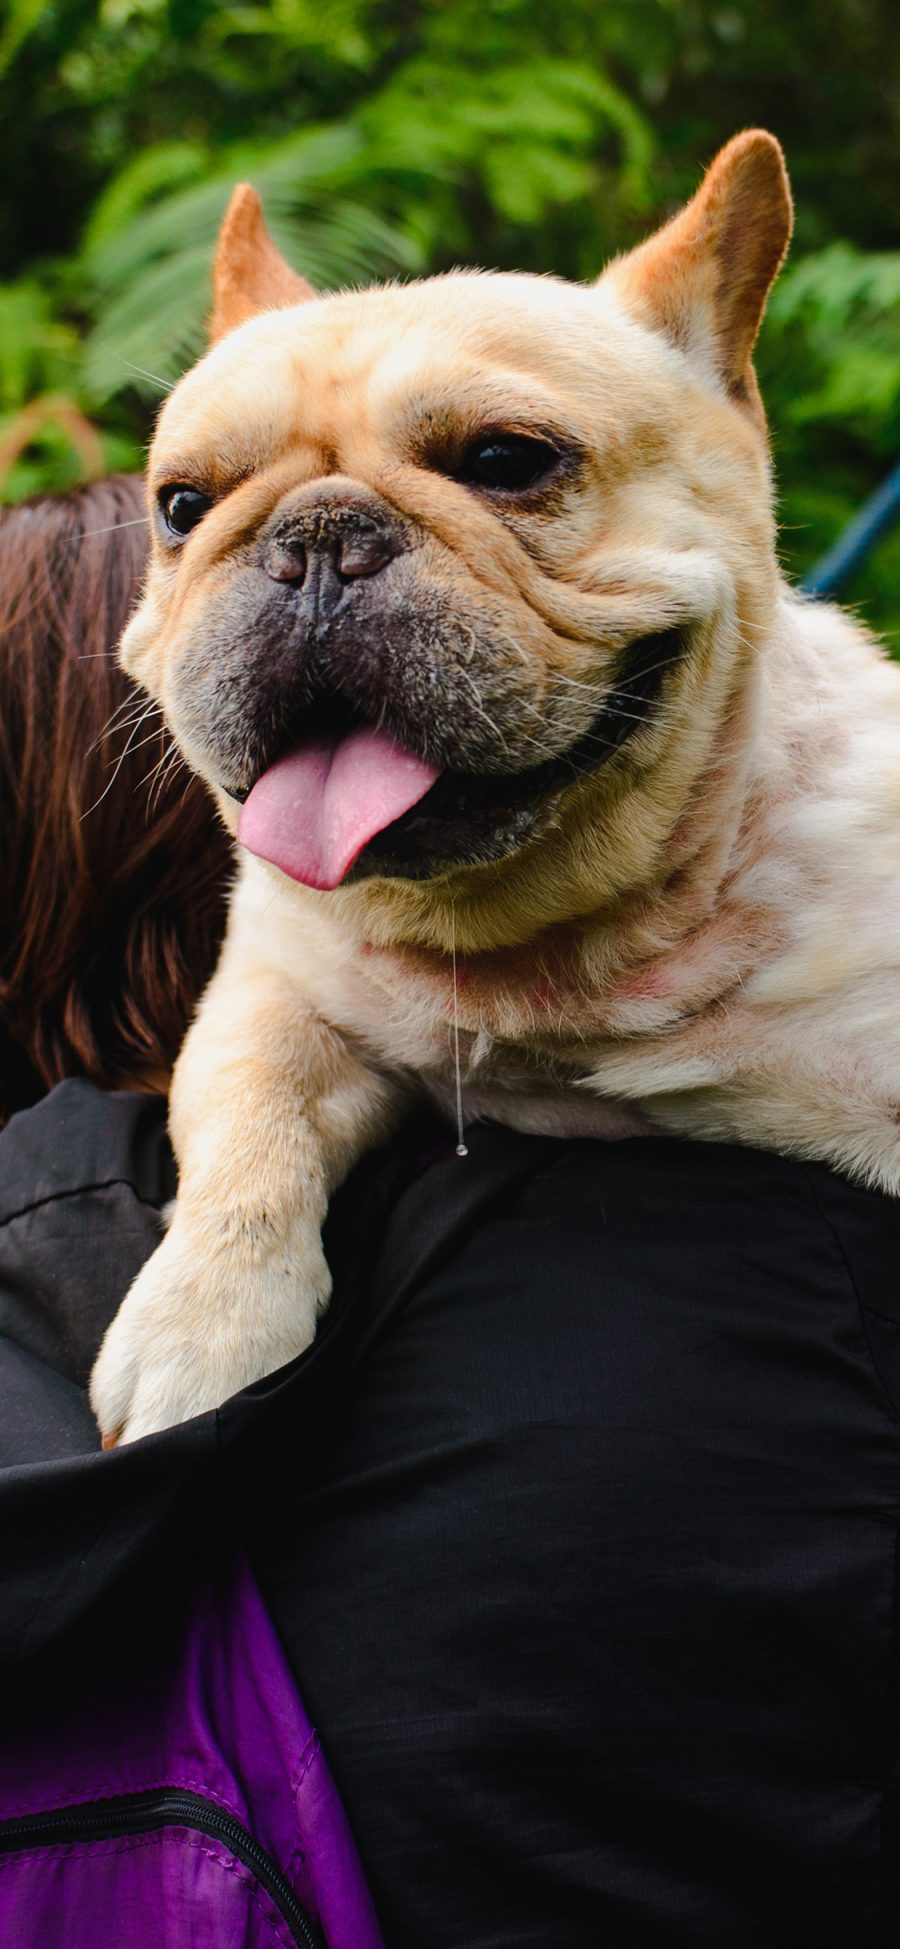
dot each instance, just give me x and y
(137, 1813)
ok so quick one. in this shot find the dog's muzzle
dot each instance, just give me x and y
(368, 725)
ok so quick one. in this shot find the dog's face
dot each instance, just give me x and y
(436, 567)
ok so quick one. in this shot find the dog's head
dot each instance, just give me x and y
(444, 574)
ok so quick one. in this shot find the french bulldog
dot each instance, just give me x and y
(464, 600)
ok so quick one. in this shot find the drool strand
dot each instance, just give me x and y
(462, 1148)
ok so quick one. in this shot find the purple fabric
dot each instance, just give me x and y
(151, 1892)
(225, 1722)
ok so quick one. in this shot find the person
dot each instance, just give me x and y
(578, 1523)
(112, 858)
(159, 1776)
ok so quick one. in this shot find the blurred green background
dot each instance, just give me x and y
(394, 137)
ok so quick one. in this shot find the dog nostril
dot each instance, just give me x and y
(286, 562)
(363, 554)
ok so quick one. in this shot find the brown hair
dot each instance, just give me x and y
(113, 868)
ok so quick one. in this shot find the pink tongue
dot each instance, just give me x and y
(315, 810)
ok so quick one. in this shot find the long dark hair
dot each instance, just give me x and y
(113, 867)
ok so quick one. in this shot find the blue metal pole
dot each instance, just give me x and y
(876, 515)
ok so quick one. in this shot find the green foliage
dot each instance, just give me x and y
(37, 348)
(837, 318)
(829, 363)
(20, 19)
(393, 137)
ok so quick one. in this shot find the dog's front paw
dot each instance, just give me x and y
(197, 1327)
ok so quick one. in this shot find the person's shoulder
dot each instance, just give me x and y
(84, 1175)
(80, 1137)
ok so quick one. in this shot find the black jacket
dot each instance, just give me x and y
(579, 1521)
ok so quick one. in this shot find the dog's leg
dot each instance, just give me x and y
(270, 1109)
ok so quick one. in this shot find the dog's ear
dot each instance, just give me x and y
(249, 274)
(705, 277)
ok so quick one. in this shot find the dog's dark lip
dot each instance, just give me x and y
(463, 806)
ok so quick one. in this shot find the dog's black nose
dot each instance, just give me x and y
(329, 550)
(354, 555)
(328, 538)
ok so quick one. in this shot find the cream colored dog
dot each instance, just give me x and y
(464, 601)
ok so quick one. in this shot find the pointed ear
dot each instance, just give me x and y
(704, 278)
(249, 274)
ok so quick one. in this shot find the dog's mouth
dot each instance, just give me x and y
(316, 809)
(348, 801)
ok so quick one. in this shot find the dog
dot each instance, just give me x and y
(464, 601)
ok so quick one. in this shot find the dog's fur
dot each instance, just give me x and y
(696, 930)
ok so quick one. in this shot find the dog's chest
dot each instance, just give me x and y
(518, 1049)
(529, 1020)
(515, 1023)
(512, 1026)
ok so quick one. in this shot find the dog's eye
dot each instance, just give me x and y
(508, 461)
(183, 507)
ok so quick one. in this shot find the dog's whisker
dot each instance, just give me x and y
(187, 787)
(164, 758)
(131, 711)
(166, 779)
(593, 687)
(112, 730)
(137, 716)
(617, 715)
(167, 770)
(140, 521)
(121, 760)
(154, 776)
(483, 714)
(602, 690)
(165, 385)
(143, 742)
(134, 701)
